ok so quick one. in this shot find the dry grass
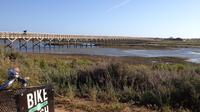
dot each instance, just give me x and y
(157, 83)
(82, 105)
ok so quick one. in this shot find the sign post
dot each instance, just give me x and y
(33, 99)
(38, 99)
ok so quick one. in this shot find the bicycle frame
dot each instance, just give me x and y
(7, 84)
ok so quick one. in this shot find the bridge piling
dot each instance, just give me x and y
(23, 44)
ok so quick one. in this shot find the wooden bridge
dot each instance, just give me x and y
(36, 39)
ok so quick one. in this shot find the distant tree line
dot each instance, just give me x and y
(175, 39)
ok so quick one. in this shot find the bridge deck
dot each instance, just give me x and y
(11, 35)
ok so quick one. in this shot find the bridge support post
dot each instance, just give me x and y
(5, 41)
(44, 44)
(23, 44)
(75, 43)
(59, 42)
(48, 43)
(36, 44)
(10, 44)
(68, 43)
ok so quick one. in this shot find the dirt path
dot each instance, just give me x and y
(81, 105)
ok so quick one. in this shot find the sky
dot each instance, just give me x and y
(137, 18)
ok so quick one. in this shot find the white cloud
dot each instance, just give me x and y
(118, 5)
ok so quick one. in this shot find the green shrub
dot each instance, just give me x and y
(183, 94)
(150, 98)
(128, 95)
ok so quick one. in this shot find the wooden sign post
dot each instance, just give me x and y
(33, 99)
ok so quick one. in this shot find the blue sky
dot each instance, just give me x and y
(149, 18)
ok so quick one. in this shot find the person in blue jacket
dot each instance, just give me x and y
(14, 75)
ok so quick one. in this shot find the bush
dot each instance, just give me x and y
(128, 95)
(184, 95)
(150, 98)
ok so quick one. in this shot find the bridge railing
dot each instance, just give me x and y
(56, 36)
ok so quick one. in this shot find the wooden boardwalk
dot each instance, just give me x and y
(41, 36)
(51, 39)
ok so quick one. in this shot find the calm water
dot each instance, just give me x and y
(192, 54)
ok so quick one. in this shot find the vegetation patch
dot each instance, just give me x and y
(158, 86)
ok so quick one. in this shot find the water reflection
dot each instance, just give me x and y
(192, 54)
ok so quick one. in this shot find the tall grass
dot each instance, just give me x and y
(154, 85)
